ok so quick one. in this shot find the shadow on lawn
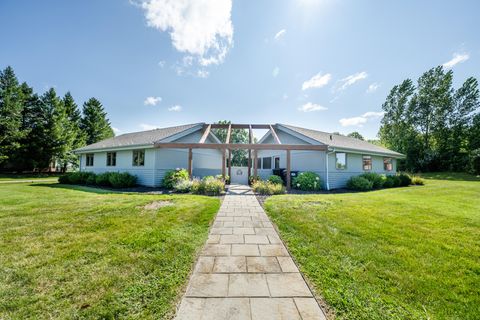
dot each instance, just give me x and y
(99, 190)
(450, 176)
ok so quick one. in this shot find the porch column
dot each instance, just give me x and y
(223, 163)
(190, 158)
(288, 170)
(249, 163)
(255, 163)
(230, 163)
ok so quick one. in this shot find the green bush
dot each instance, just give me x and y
(275, 179)
(359, 183)
(268, 188)
(91, 179)
(103, 179)
(391, 182)
(64, 179)
(214, 187)
(377, 179)
(122, 180)
(404, 179)
(417, 181)
(172, 177)
(252, 179)
(183, 186)
(197, 187)
(307, 181)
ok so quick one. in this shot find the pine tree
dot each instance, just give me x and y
(11, 108)
(95, 123)
(76, 138)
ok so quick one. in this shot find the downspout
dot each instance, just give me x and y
(326, 169)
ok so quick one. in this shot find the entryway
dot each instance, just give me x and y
(239, 175)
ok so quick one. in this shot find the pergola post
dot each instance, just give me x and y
(230, 163)
(288, 171)
(255, 163)
(223, 163)
(190, 160)
(249, 163)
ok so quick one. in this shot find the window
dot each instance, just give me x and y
(367, 163)
(267, 163)
(341, 160)
(387, 164)
(89, 158)
(277, 162)
(111, 159)
(138, 158)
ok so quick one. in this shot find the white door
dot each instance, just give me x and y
(239, 175)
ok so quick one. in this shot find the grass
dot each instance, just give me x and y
(76, 252)
(405, 253)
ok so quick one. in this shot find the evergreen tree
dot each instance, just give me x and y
(76, 138)
(95, 123)
(11, 108)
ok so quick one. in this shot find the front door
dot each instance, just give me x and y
(239, 175)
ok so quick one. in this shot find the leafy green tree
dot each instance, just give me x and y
(11, 108)
(355, 135)
(239, 157)
(95, 123)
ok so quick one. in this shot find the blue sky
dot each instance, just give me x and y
(321, 64)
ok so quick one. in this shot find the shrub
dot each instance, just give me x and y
(172, 177)
(103, 179)
(359, 183)
(307, 181)
(417, 181)
(404, 179)
(91, 179)
(197, 187)
(64, 179)
(122, 180)
(183, 186)
(377, 179)
(275, 179)
(252, 179)
(268, 188)
(213, 187)
(391, 182)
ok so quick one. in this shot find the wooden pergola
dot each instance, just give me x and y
(250, 146)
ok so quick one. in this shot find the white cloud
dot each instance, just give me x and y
(116, 130)
(456, 59)
(309, 107)
(317, 81)
(152, 101)
(280, 34)
(285, 96)
(203, 73)
(275, 71)
(361, 120)
(145, 126)
(200, 28)
(162, 63)
(350, 80)
(373, 87)
(175, 108)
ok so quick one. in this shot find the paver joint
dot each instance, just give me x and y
(244, 270)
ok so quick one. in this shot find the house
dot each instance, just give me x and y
(149, 154)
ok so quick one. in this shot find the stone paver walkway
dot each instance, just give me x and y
(244, 271)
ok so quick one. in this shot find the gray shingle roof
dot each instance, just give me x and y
(137, 138)
(342, 142)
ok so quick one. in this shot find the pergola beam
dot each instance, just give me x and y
(240, 126)
(274, 134)
(237, 146)
(205, 134)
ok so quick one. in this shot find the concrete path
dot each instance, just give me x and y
(244, 271)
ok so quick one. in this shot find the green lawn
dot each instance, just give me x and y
(406, 253)
(76, 252)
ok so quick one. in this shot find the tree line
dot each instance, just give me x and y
(435, 125)
(38, 131)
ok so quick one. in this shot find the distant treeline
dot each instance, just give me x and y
(40, 131)
(436, 126)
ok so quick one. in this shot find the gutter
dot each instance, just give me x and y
(326, 169)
